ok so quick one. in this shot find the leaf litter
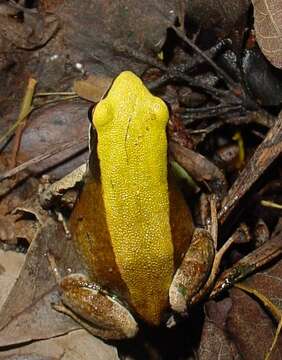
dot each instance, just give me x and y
(76, 50)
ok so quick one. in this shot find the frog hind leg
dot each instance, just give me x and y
(193, 271)
(99, 313)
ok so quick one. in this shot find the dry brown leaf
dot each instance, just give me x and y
(215, 343)
(268, 283)
(10, 265)
(15, 196)
(224, 14)
(106, 37)
(26, 229)
(27, 314)
(93, 88)
(256, 259)
(49, 127)
(251, 328)
(268, 26)
(76, 345)
(263, 310)
(225, 18)
(7, 231)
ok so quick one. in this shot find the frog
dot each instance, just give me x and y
(131, 225)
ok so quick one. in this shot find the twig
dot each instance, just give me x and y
(192, 114)
(271, 204)
(60, 93)
(180, 71)
(217, 94)
(139, 55)
(11, 130)
(250, 263)
(208, 109)
(214, 222)
(265, 154)
(56, 100)
(232, 84)
(277, 333)
(26, 107)
(250, 117)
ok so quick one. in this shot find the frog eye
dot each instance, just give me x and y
(102, 114)
(160, 110)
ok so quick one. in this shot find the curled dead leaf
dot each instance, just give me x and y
(268, 26)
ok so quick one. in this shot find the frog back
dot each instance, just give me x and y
(130, 226)
(148, 296)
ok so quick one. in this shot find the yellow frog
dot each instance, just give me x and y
(131, 225)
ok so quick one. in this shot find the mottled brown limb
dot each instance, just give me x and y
(265, 154)
(215, 269)
(193, 271)
(99, 313)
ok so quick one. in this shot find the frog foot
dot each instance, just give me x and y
(193, 271)
(100, 313)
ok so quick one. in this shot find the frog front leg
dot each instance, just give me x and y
(193, 271)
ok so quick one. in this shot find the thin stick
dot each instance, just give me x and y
(214, 222)
(11, 130)
(220, 72)
(271, 204)
(265, 154)
(56, 100)
(248, 264)
(277, 333)
(215, 268)
(25, 109)
(62, 93)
